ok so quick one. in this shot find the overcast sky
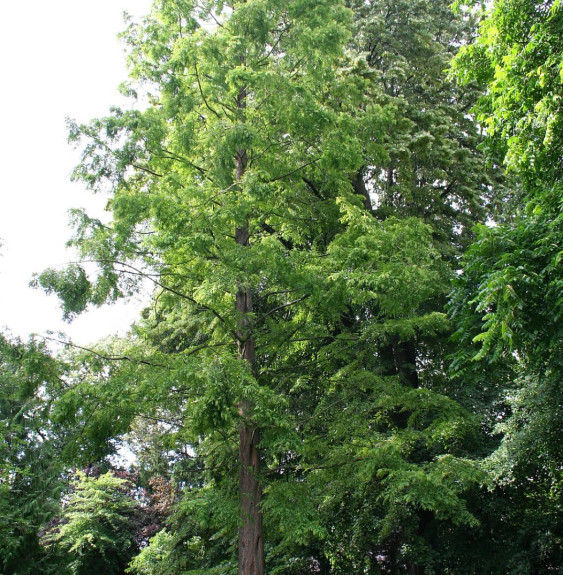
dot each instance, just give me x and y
(59, 59)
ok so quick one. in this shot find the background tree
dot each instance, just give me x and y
(30, 446)
(431, 168)
(507, 305)
(97, 531)
(429, 175)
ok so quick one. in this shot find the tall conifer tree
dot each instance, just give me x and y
(281, 341)
(211, 200)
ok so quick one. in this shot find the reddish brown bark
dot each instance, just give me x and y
(250, 541)
(250, 544)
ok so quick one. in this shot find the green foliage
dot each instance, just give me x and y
(431, 168)
(71, 285)
(91, 412)
(506, 309)
(518, 55)
(516, 287)
(97, 531)
(507, 302)
(151, 559)
(30, 486)
(362, 450)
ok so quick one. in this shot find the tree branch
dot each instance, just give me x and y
(202, 94)
(101, 355)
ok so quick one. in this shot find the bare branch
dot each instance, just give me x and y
(104, 356)
(283, 306)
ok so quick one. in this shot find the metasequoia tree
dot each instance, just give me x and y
(432, 169)
(272, 344)
(213, 193)
(390, 514)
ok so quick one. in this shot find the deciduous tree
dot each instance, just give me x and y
(30, 446)
(285, 339)
(96, 531)
(507, 304)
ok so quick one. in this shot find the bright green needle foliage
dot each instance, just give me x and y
(283, 310)
(430, 168)
(149, 560)
(96, 534)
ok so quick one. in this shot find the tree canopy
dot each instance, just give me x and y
(350, 359)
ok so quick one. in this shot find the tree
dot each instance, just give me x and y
(427, 168)
(508, 300)
(240, 192)
(30, 445)
(97, 531)
(222, 177)
(432, 168)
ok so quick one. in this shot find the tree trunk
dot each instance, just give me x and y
(404, 354)
(414, 569)
(250, 541)
(360, 188)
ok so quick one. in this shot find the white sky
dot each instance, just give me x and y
(59, 58)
